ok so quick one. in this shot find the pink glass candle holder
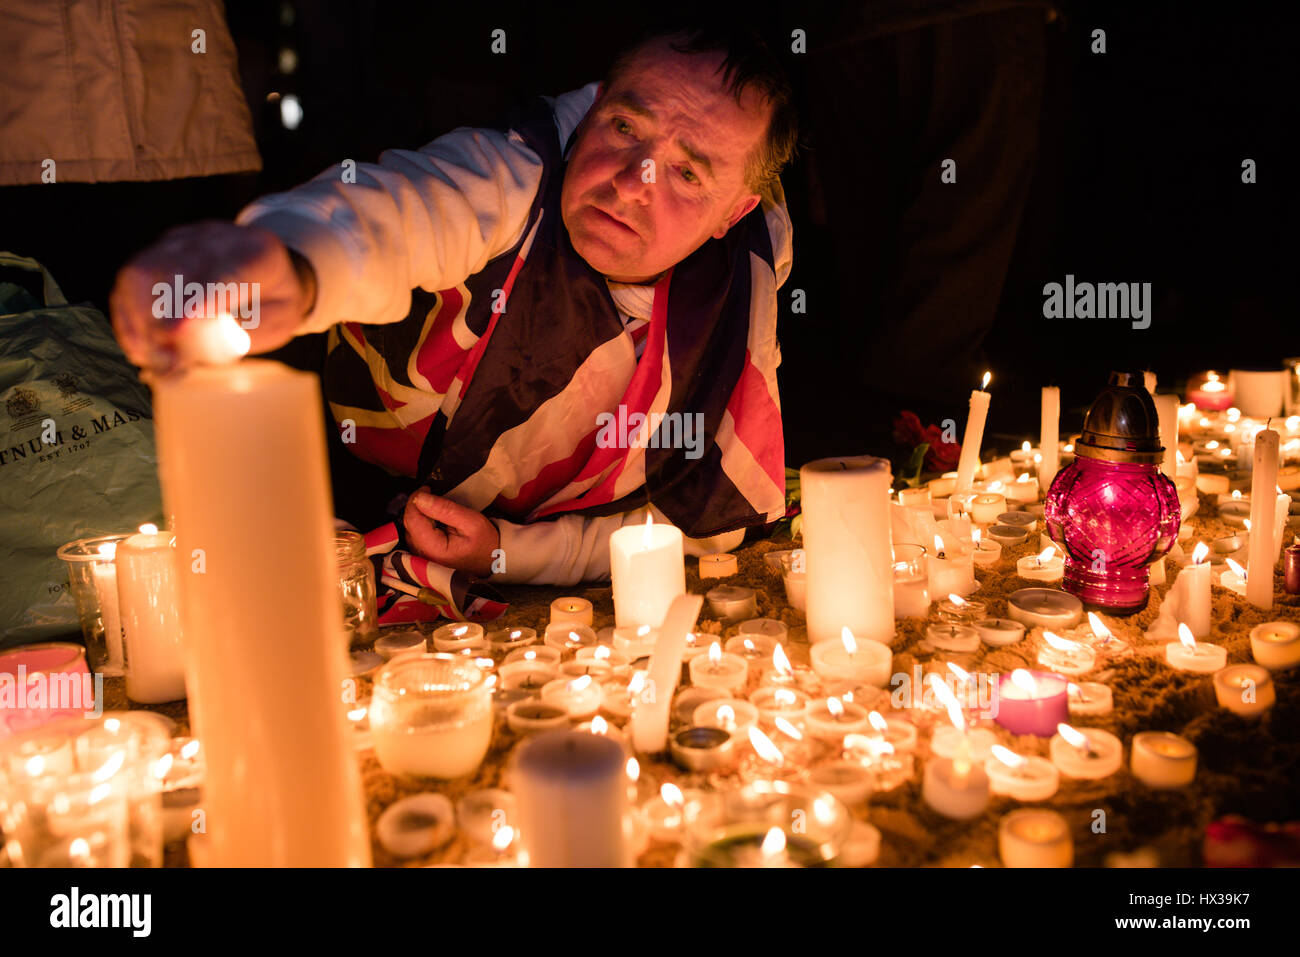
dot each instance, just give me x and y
(1036, 709)
(48, 681)
(1112, 510)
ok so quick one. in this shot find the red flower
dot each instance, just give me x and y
(942, 456)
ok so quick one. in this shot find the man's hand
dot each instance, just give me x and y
(450, 534)
(208, 252)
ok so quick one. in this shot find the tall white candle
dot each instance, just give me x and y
(243, 469)
(969, 460)
(151, 623)
(1049, 440)
(647, 571)
(571, 791)
(1194, 579)
(1259, 581)
(653, 703)
(105, 576)
(847, 552)
(1281, 514)
(1167, 410)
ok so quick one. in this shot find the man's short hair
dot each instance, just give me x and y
(748, 63)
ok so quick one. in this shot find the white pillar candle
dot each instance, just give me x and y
(654, 705)
(854, 660)
(955, 788)
(1246, 690)
(105, 577)
(1167, 411)
(647, 571)
(1050, 437)
(847, 549)
(571, 792)
(1281, 515)
(575, 611)
(969, 459)
(243, 463)
(1194, 580)
(1035, 837)
(1086, 753)
(1187, 654)
(1163, 760)
(718, 669)
(151, 623)
(1259, 394)
(1276, 644)
(1259, 584)
(1022, 777)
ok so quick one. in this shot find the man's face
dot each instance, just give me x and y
(632, 219)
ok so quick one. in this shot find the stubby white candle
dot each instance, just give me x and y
(1276, 644)
(1259, 584)
(969, 459)
(647, 571)
(151, 622)
(243, 463)
(1035, 837)
(1088, 753)
(847, 548)
(1050, 437)
(1163, 760)
(1188, 654)
(1246, 690)
(1025, 778)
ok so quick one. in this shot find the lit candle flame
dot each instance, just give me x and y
(938, 546)
(764, 747)
(1024, 680)
(637, 683)
(962, 674)
(995, 485)
(1246, 522)
(784, 697)
(726, 716)
(1024, 479)
(163, 766)
(1046, 554)
(599, 725)
(1098, 626)
(773, 844)
(672, 794)
(975, 536)
(148, 528)
(878, 721)
(633, 769)
(79, 849)
(988, 377)
(786, 728)
(601, 653)
(355, 715)
(190, 750)
(1074, 737)
(1025, 447)
(1061, 644)
(850, 643)
(579, 684)
(956, 599)
(780, 663)
(1237, 569)
(835, 707)
(108, 551)
(503, 838)
(715, 653)
(1009, 757)
(942, 691)
(1200, 553)
(647, 538)
(1186, 638)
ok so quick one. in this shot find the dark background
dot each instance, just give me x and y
(1116, 167)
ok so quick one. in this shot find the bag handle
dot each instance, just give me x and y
(53, 294)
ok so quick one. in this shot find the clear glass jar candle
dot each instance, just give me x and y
(356, 587)
(431, 716)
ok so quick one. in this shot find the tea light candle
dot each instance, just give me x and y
(955, 788)
(832, 719)
(506, 640)
(688, 699)
(951, 637)
(1188, 654)
(416, 825)
(958, 610)
(732, 602)
(721, 565)
(527, 717)
(1089, 754)
(773, 702)
(1035, 837)
(849, 781)
(1008, 536)
(567, 639)
(853, 661)
(1024, 778)
(986, 507)
(901, 735)
(1032, 702)
(1246, 690)
(947, 740)
(1163, 760)
(401, 642)
(1023, 490)
(718, 669)
(527, 675)
(1046, 566)
(986, 552)
(618, 662)
(1276, 644)
(1026, 520)
(543, 653)
(571, 790)
(151, 624)
(635, 641)
(729, 714)
(581, 696)
(1090, 697)
(703, 749)
(999, 632)
(914, 497)
(647, 571)
(571, 611)
(619, 697)
(599, 670)
(697, 643)
(754, 648)
(459, 636)
(1066, 657)
(1045, 607)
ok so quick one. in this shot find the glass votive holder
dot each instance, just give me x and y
(911, 582)
(144, 764)
(92, 578)
(356, 587)
(431, 716)
(736, 829)
(56, 812)
(49, 682)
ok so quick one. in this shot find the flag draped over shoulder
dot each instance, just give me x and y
(517, 392)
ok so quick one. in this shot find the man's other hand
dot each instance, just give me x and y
(450, 534)
(208, 252)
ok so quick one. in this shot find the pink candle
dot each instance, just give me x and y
(1032, 702)
(42, 683)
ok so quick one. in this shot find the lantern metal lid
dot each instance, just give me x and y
(1122, 425)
